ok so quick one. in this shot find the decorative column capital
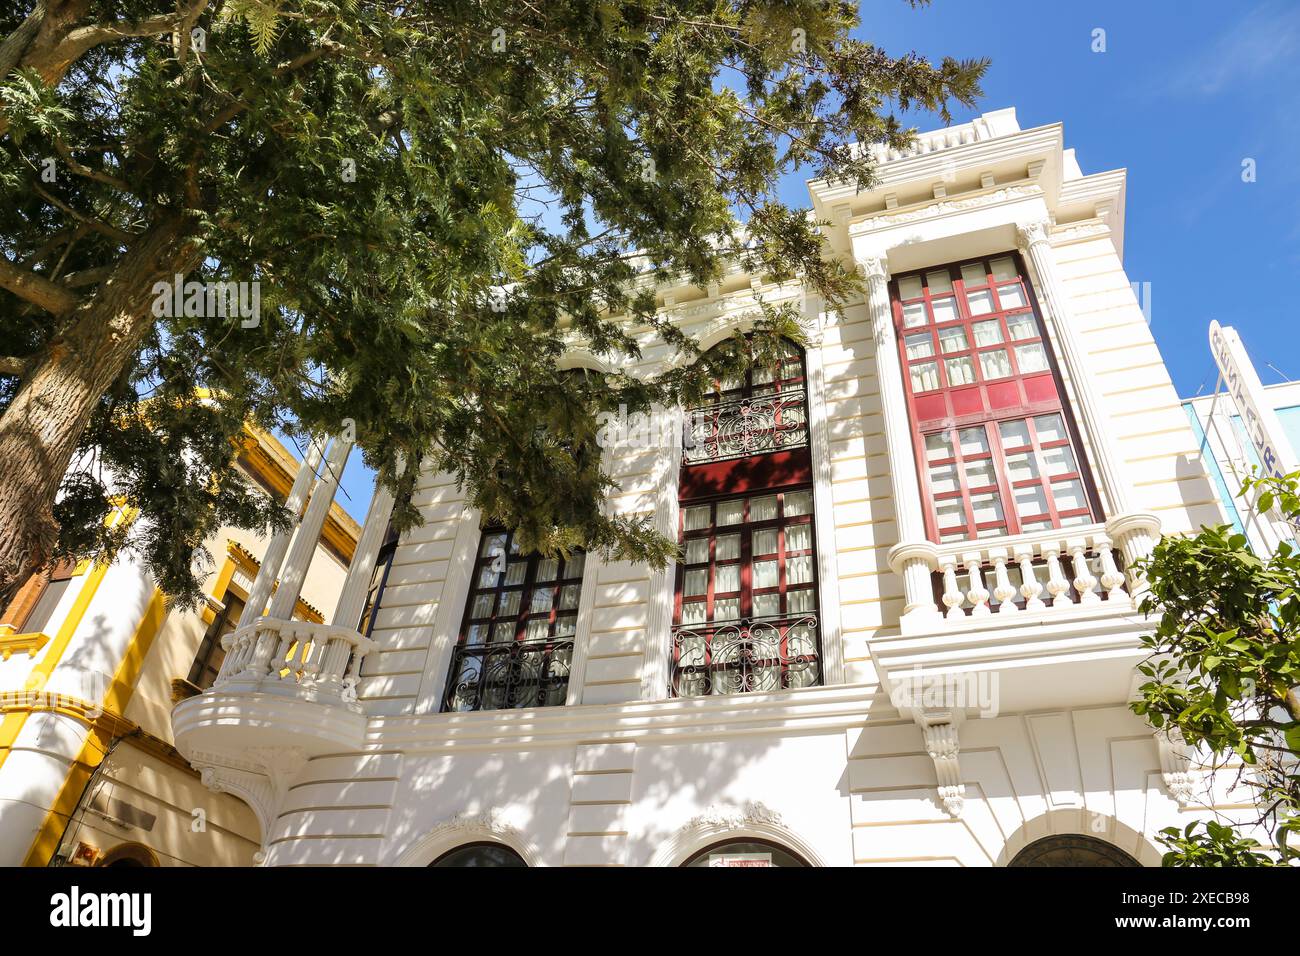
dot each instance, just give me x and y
(874, 267)
(1031, 233)
(905, 551)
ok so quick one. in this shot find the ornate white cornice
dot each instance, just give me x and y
(945, 207)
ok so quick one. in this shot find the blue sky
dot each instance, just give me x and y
(1184, 92)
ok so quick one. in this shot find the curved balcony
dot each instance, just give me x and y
(283, 684)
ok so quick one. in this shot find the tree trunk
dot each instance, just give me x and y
(40, 429)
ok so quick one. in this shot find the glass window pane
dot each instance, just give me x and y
(765, 574)
(693, 612)
(918, 345)
(727, 609)
(697, 550)
(943, 478)
(1022, 326)
(799, 569)
(574, 565)
(731, 512)
(1069, 495)
(988, 332)
(1004, 268)
(728, 547)
(953, 339)
(726, 579)
(972, 274)
(515, 572)
(565, 626)
(949, 513)
(945, 309)
(487, 578)
(1031, 501)
(538, 628)
(569, 596)
(491, 544)
(1035, 525)
(477, 634)
(697, 582)
(1050, 428)
(986, 507)
(980, 303)
(953, 536)
(1011, 296)
(767, 605)
(995, 364)
(798, 537)
(974, 441)
(762, 509)
(980, 473)
(1032, 357)
(697, 517)
(909, 287)
(1021, 466)
(925, 376)
(1015, 434)
(509, 605)
(542, 600)
(938, 447)
(939, 282)
(914, 315)
(483, 605)
(504, 631)
(798, 503)
(547, 569)
(961, 371)
(800, 602)
(1059, 461)
(765, 541)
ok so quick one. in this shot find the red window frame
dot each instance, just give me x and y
(568, 574)
(942, 331)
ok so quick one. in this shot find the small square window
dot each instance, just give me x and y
(1011, 296)
(961, 371)
(1022, 326)
(914, 315)
(731, 512)
(953, 339)
(945, 309)
(973, 274)
(939, 282)
(909, 287)
(798, 503)
(995, 364)
(1004, 268)
(1032, 357)
(980, 303)
(728, 547)
(918, 345)
(988, 332)
(697, 517)
(1050, 428)
(1015, 434)
(925, 376)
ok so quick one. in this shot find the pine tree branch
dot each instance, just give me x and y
(36, 289)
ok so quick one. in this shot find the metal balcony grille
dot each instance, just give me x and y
(741, 427)
(509, 674)
(747, 656)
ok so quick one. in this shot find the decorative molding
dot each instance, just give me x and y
(1030, 233)
(30, 643)
(751, 814)
(944, 207)
(944, 747)
(1176, 765)
(491, 825)
(721, 822)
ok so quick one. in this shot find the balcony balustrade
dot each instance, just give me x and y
(318, 661)
(741, 427)
(746, 656)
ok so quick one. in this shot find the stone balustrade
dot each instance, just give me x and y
(322, 659)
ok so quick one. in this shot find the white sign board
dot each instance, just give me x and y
(1260, 422)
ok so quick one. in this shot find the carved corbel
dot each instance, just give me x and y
(943, 746)
(1176, 765)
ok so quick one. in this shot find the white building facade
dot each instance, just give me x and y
(905, 627)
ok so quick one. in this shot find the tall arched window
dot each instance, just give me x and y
(1072, 849)
(745, 606)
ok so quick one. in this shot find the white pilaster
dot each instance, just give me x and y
(347, 613)
(303, 549)
(260, 592)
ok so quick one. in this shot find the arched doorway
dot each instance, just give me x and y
(480, 854)
(745, 852)
(1072, 849)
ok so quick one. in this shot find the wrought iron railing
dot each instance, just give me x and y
(747, 656)
(508, 674)
(746, 426)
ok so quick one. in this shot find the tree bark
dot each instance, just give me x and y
(40, 429)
